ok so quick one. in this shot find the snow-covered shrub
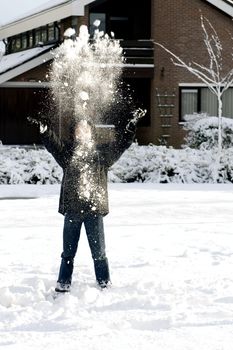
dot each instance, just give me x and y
(157, 164)
(160, 164)
(30, 166)
(202, 132)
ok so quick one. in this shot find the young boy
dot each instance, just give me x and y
(84, 194)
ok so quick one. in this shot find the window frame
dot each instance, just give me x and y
(194, 87)
(199, 88)
(30, 37)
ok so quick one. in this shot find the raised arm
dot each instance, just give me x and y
(55, 146)
(111, 152)
(124, 135)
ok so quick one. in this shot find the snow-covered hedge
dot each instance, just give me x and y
(160, 164)
(157, 164)
(202, 132)
(31, 166)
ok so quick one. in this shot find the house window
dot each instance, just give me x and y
(209, 102)
(228, 103)
(126, 19)
(18, 42)
(202, 100)
(120, 25)
(97, 17)
(189, 101)
(37, 36)
(31, 40)
(51, 32)
(24, 41)
(46, 34)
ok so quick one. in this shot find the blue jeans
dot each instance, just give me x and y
(95, 233)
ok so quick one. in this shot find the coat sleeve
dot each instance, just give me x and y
(56, 147)
(110, 153)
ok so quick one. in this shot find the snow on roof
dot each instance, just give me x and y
(15, 59)
(229, 1)
(223, 5)
(24, 8)
(23, 18)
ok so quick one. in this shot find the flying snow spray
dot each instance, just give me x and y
(84, 76)
(85, 80)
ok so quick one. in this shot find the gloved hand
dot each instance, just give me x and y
(42, 121)
(137, 114)
(43, 128)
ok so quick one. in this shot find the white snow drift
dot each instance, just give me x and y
(171, 255)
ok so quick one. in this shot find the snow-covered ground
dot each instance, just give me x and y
(171, 254)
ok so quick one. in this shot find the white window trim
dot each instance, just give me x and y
(184, 85)
(192, 85)
(25, 84)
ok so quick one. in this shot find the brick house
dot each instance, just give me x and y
(167, 92)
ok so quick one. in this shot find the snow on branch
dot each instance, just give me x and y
(211, 74)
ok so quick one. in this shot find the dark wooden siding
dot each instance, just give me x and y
(16, 104)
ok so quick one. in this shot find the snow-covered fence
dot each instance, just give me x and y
(157, 164)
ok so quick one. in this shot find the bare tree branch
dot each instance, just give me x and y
(212, 74)
(212, 44)
(182, 64)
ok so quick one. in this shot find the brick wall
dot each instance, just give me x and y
(35, 74)
(176, 25)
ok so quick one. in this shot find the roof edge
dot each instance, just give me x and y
(55, 13)
(25, 66)
(223, 6)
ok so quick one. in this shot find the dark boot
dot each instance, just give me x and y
(66, 270)
(102, 272)
(62, 287)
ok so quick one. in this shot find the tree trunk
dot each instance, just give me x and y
(219, 152)
(219, 124)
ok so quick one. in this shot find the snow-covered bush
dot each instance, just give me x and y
(202, 132)
(30, 166)
(157, 164)
(160, 164)
(214, 75)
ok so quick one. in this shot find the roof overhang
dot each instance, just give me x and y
(12, 65)
(55, 13)
(15, 64)
(223, 5)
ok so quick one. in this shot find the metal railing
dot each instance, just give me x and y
(138, 51)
